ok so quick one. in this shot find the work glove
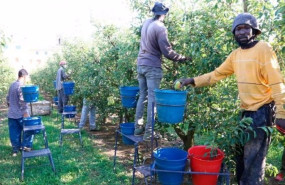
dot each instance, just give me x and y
(186, 59)
(187, 81)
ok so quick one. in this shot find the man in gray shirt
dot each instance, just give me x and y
(60, 77)
(154, 43)
(18, 109)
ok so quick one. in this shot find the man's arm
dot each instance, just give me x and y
(23, 104)
(270, 70)
(166, 48)
(223, 71)
(64, 76)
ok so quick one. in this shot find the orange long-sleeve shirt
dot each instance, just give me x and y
(258, 75)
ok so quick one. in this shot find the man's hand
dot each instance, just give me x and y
(186, 59)
(26, 115)
(187, 81)
(280, 125)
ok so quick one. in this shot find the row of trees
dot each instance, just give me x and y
(6, 73)
(197, 28)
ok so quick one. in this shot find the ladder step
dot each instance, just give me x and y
(134, 138)
(67, 113)
(35, 153)
(145, 170)
(70, 131)
(34, 128)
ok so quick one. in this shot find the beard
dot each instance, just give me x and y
(244, 41)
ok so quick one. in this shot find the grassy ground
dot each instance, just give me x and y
(74, 165)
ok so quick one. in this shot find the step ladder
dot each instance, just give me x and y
(37, 129)
(64, 131)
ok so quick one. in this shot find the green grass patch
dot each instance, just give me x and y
(74, 164)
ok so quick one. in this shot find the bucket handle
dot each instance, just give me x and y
(192, 155)
(170, 105)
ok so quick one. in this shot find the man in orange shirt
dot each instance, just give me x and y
(261, 92)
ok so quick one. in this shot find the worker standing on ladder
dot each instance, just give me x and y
(60, 77)
(154, 43)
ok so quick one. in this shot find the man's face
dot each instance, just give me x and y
(243, 33)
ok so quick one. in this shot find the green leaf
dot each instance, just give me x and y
(265, 130)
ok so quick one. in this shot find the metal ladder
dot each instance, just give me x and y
(37, 129)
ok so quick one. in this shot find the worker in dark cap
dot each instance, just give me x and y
(154, 43)
(261, 92)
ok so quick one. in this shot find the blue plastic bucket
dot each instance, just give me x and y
(55, 100)
(68, 88)
(30, 121)
(127, 129)
(172, 159)
(129, 96)
(170, 105)
(30, 93)
(69, 108)
(54, 84)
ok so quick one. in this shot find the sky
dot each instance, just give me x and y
(39, 22)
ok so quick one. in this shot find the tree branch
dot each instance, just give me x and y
(245, 5)
(180, 133)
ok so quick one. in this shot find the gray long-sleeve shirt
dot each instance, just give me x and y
(60, 77)
(17, 106)
(154, 43)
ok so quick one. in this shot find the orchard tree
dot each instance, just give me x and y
(202, 30)
(6, 72)
(197, 28)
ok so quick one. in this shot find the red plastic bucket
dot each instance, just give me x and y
(201, 161)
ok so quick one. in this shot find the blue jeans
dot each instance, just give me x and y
(62, 100)
(251, 163)
(15, 132)
(149, 79)
(88, 108)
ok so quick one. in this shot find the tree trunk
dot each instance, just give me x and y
(188, 140)
(245, 5)
(104, 119)
(121, 117)
(127, 116)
